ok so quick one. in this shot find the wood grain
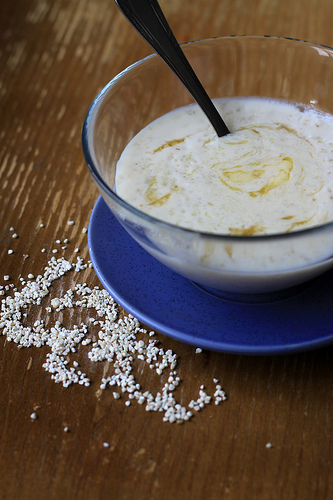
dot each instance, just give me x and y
(55, 56)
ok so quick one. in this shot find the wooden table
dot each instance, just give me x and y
(55, 57)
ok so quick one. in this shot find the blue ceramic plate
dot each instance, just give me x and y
(172, 305)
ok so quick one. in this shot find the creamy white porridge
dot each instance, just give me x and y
(272, 174)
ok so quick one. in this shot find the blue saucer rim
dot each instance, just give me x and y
(195, 340)
(262, 350)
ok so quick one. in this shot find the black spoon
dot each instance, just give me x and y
(148, 19)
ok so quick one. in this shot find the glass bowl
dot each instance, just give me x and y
(279, 68)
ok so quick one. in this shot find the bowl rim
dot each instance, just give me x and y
(91, 117)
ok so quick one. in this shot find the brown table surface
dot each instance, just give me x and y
(55, 57)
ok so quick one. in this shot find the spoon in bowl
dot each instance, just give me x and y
(148, 19)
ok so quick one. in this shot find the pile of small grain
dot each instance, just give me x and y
(120, 341)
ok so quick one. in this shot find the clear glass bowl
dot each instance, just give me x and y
(262, 66)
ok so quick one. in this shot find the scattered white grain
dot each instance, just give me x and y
(33, 416)
(117, 341)
(269, 445)
(106, 445)
(198, 350)
(6, 277)
(54, 250)
(43, 250)
(219, 394)
(71, 223)
(41, 224)
(66, 429)
(14, 236)
(84, 230)
(10, 251)
(55, 303)
(76, 250)
(203, 400)
(11, 228)
(66, 240)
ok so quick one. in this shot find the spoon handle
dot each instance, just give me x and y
(148, 19)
